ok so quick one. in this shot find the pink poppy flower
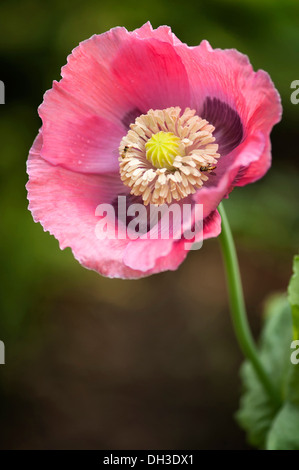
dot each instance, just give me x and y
(142, 115)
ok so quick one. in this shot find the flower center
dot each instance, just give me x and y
(162, 148)
(167, 154)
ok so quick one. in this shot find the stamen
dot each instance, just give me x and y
(167, 155)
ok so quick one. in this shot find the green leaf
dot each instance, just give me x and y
(257, 412)
(266, 425)
(293, 291)
(284, 433)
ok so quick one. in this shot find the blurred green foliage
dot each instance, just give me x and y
(36, 37)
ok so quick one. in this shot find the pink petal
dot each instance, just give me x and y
(228, 75)
(109, 80)
(212, 225)
(87, 75)
(163, 33)
(247, 153)
(225, 80)
(64, 203)
(82, 113)
(152, 74)
(152, 256)
(256, 169)
(217, 188)
(76, 138)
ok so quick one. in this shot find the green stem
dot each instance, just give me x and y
(238, 310)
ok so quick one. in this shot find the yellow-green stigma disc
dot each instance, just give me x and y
(162, 148)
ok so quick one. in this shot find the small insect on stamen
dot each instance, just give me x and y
(124, 151)
(208, 168)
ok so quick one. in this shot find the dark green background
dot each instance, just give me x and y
(99, 363)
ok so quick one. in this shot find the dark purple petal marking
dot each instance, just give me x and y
(130, 117)
(147, 224)
(228, 126)
(240, 175)
(131, 199)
